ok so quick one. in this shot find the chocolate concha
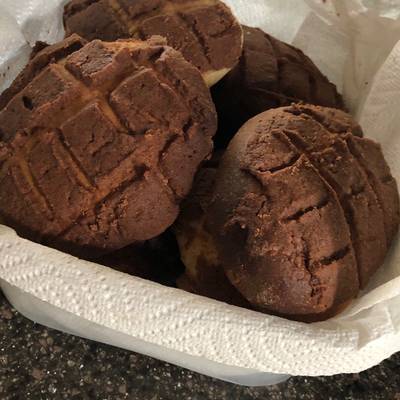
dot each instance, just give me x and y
(99, 145)
(302, 214)
(205, 31)
(270, 74)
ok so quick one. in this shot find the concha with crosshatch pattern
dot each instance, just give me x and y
(270, 74)
(296, 217)
(204, 31)
(100, 142)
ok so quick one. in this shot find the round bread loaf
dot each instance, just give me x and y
(270, 74)
(205, 31)
(98, 146)
(302, 214)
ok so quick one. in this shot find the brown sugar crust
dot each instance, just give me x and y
(205, 31)
(90, 147)
(42, 55)
(369, 155)
(326, 147)
(297, 214)
(270, 74)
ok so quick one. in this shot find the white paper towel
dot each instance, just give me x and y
(356, 43)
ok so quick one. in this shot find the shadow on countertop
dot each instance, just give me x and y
(37, 363)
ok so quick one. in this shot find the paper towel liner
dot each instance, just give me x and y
(51, 316)
(358, 48)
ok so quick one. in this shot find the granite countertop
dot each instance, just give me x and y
(37, 363)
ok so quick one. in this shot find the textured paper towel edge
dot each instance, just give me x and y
(193, 324)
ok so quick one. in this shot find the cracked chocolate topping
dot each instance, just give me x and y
(303, 212)
(270, 74)
(205, 31)
(100, 142)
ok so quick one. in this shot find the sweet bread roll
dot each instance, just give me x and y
(302, 213)
(270, 74)
(99, 144)
(205, 31)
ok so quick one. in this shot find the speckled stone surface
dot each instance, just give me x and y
(37, 363)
